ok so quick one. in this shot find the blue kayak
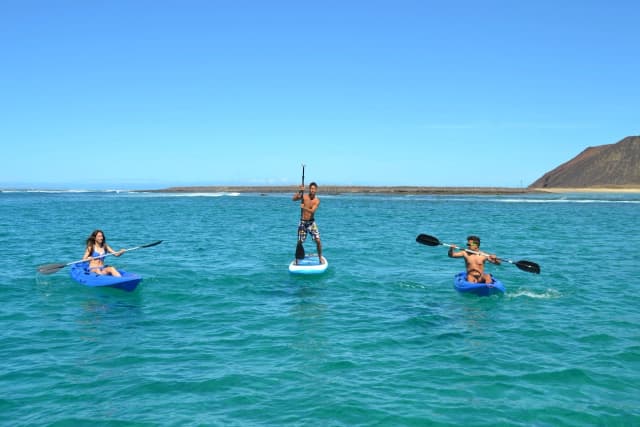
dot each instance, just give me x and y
(482, 289)
(81, 274)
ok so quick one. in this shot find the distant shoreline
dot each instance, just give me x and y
(402, 190)
(346, 189)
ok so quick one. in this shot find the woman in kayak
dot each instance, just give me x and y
(474, 260)
(97, 249)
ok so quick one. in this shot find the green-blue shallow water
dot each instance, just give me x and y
(219, 333)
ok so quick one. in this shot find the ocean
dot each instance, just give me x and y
(220, 333)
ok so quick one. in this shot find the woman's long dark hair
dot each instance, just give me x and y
(91, 241)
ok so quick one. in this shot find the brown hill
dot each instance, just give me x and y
(612, 165)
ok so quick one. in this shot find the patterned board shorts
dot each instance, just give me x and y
(308, 227)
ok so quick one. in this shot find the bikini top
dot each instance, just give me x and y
(95, 253)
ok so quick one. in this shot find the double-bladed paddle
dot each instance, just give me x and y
(299, 246)
(528, 266)
(52, 268)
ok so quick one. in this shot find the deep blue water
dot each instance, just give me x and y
(219, 333)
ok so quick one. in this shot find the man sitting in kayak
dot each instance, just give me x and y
(474, 260)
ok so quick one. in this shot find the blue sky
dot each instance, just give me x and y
(148, 94)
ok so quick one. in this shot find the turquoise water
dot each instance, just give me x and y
(219, 333)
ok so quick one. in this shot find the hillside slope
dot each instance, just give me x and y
(611, 165)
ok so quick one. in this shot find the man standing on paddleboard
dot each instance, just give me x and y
(474, 260)
(309, 206)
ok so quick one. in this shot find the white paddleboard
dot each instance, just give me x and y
(310, 264)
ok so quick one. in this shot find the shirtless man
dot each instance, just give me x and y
(309, 206)
(474, 261)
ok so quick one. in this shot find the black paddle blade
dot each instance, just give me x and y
(148, 245)
(299, 250)
(425, 239)
(50, 268)
(529, 266)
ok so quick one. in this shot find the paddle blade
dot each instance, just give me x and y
(299, 250)
(425, 239)
(528, 266)
(148, 245)
(50, 268)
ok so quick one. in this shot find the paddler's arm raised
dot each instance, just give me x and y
(87, 255)
(453, 254)
(116, 253)
(299, 194)
(493, 259)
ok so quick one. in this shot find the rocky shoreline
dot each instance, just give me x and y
(340, 189)
(351, 189)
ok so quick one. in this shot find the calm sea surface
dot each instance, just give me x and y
(219, 333)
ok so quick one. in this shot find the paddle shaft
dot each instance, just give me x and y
(302, 194)
(299, 247)
(474, 252)
(52, 268)
(528, 266)
(123, 251)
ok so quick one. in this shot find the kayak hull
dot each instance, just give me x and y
(461, 285)
(81, 274)
(308, 265)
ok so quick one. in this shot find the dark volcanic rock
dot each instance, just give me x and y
(612, 165)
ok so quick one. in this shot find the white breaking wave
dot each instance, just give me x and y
(222, 194)
(69, 191)
(563, 201)
(548, 294)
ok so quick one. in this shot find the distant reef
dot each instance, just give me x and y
(611, 167)
(348, 189)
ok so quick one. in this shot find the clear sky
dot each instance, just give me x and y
(153, 93)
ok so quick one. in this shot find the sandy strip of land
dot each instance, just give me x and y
(593, 190)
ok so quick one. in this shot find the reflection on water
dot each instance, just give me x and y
(309, 319)
(109, 314)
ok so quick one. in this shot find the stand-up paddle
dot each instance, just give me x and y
(299, 246)
(52, 268)
(528, 266)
